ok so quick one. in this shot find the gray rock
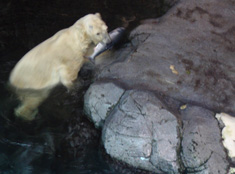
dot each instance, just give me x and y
(99, 100)
(202, 150)
(188, 54)
(141, 132)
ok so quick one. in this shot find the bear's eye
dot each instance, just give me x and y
(97, 34)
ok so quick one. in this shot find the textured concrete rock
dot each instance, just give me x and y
(188, 54)
(141, 132)
(99, 100)
(202, 150)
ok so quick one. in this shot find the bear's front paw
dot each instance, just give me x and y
(25, 114)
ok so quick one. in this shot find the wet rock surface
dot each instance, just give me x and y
(188, 54)
(180, 65)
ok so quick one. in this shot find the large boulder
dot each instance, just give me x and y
(143, 133)
(177, 72)
(187, 54)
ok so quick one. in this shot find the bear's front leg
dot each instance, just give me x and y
(25, 112)
(29, 105)
(67, 77)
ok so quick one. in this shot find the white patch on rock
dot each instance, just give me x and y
(228, 132)
(231, 170)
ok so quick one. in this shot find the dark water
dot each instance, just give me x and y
(61, 140)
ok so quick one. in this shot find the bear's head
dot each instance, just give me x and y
(96, 29)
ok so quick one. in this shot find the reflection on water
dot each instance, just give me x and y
(60, 140)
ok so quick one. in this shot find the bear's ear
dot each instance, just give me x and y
(98, 15)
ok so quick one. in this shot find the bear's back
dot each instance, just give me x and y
(37, 68)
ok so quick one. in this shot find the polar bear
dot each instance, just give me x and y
(54, 61)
